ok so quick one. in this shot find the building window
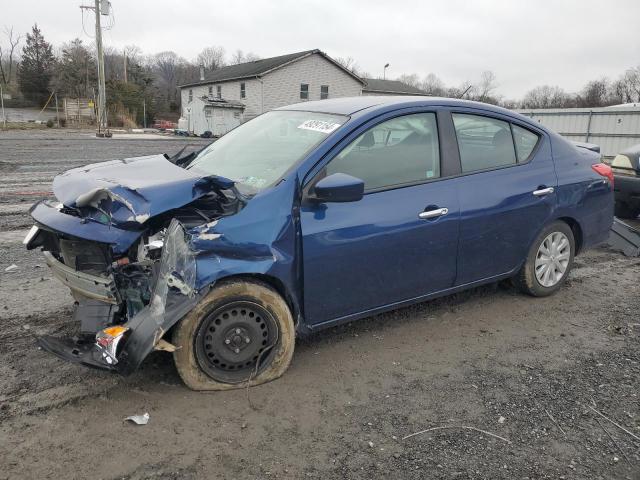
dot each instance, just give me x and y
(210, 89)
(324, 92)
(243, 91)
(219, 91)
(190, 95)
(304, 91)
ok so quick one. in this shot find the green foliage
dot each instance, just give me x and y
(36, 67)
(75, 72)
(130, 97)
(49, 123)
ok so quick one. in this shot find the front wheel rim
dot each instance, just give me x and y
(552, 259)
(236, 341)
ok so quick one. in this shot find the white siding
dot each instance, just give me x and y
(219, 122)
(282, 86)
(230, 91)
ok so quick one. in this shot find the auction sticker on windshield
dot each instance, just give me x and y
(319, 126)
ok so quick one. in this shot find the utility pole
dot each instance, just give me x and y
(4, 117)
(125, 65)
(103, 129)
(57, 111)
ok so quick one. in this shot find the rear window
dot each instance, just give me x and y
(525, 141)
(484, 142)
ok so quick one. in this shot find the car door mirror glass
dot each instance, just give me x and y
(338, 187)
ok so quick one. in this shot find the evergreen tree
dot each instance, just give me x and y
(75, 72)
(36, 67)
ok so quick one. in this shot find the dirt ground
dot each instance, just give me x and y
(529, 373)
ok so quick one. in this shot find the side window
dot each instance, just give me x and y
(324, 92)
(219, 91)
(525, 141)
(483, 142)
(243, 91)
(399, 151)
(190, 95)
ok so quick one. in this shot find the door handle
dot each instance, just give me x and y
(543, 191)
(438, 212)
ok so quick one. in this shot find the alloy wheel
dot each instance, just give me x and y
(552, 259)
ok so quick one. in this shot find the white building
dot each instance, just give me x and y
(261, 86)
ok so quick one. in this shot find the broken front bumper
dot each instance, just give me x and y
(173, 296)
(91, 286)
(87, 354)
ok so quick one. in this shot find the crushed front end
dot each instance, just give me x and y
(129, 264)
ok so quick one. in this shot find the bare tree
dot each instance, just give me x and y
(433, 85)
(595, 94)
(547, 96)
(240, 57)
(627, 88)
(411, 79)
(212, 58)
(486, 86)
(6, 66)
(170, 70)
(348, 63)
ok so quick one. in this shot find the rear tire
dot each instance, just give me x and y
(241, 333)
(548, 262)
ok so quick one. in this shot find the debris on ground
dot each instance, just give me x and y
(138, 419)
(11, 268)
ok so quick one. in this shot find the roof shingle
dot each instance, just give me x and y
(390, 86)
(253, 69)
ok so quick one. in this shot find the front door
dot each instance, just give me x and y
(399, 242)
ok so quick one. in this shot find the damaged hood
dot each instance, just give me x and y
(131, 190)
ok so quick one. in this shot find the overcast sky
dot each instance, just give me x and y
(524, 42)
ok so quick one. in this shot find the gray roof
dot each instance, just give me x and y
(260, 67)
(221, 102)
(390, 86)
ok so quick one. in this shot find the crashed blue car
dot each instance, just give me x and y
(306, 217)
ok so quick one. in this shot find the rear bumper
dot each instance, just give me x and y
(90, 286)
(627, 189)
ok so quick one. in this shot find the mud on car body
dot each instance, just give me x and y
(309, 216)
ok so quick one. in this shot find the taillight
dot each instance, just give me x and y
(604, 170)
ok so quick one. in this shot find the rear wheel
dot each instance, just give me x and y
(241, 332)
(548, 262)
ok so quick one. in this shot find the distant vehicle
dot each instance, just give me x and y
(626, 170)
(306, 217)
(164, 125)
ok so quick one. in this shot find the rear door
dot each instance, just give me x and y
(399, 241)
(507, 192)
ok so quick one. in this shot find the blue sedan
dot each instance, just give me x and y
(306, 217)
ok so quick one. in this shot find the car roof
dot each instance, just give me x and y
(352, 105)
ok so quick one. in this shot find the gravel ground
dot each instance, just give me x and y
(528, 374)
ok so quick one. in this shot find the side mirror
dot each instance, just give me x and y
(338, 187)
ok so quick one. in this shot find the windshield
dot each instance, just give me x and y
(256, 154)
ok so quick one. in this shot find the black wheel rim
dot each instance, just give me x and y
(236, 341)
